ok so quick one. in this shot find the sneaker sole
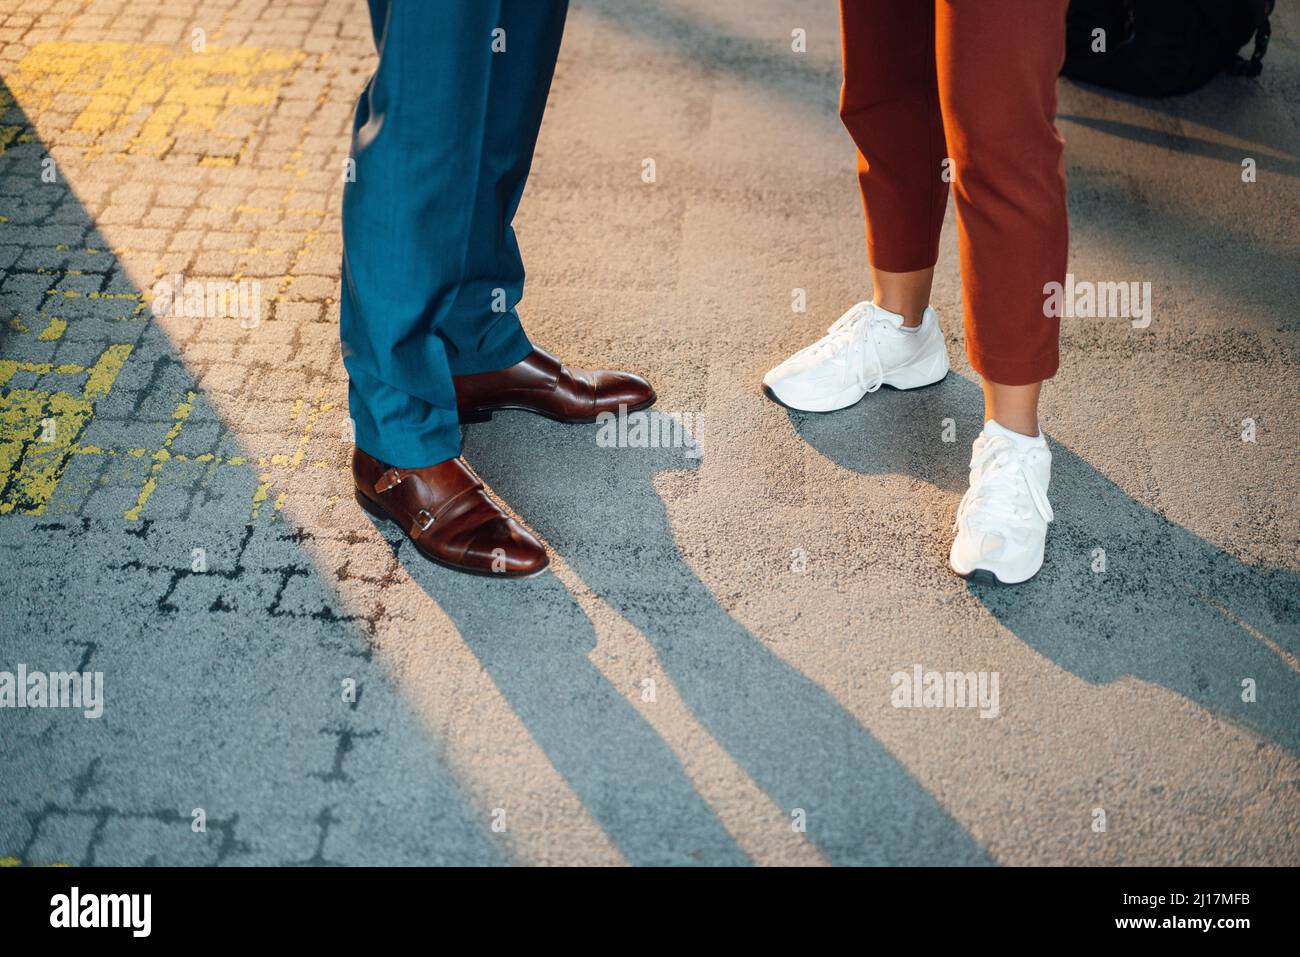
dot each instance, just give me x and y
(986, 576)
(982, 576)
(902, 373)
(767, 391)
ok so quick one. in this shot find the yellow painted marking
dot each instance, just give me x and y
(134, 99)
(301, 450)
(137, 453)
(8, 367)
(294, 460)
(150, 95)
(15, 862)
(8, 134)
(104, 373)
(54, 330)
(30, 466)
(260, 495)
(160, 457)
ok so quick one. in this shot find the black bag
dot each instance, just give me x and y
(1163, 47)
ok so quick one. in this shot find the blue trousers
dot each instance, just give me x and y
(442, 142)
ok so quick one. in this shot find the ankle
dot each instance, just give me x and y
(911, 314)
(1024, 433)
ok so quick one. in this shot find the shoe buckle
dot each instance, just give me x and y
(423, 519)
(388, 480)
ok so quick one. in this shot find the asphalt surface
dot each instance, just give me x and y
(705, 675)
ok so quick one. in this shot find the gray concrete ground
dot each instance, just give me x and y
(704, 678)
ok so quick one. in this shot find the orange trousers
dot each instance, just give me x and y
(965, 91)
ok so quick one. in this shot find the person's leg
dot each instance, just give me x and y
(408, 222)
(998, 62)
(483, 332)
(493, 363)
(889, 103)
(408, 231)
(442, 142)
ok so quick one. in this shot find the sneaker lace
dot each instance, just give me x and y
(1007, 490)
(856, 330)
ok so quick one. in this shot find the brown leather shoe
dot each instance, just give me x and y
(544, 385)
(449, 516)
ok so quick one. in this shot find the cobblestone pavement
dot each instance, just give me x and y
(705, 677)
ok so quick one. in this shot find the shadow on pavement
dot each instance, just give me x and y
(534, 640)
(1180, 143)
(1170, 608)
(599, 509)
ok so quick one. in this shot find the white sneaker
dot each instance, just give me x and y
(1002, 520)
(862, 351)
